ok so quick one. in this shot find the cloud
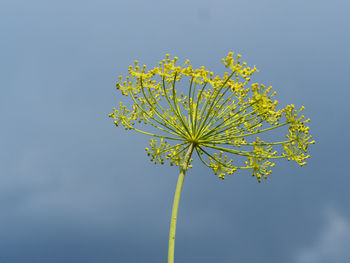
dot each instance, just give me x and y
(333, 244)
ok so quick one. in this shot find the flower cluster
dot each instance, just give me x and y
(218, 116)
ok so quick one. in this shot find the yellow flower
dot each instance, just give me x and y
(217, 117)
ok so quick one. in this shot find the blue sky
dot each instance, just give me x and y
(73, 188)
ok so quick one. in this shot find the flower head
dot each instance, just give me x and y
(219, 116)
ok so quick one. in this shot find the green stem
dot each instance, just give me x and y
(183, 169)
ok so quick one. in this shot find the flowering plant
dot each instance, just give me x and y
(214, 117)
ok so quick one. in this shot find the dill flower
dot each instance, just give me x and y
(214, 117)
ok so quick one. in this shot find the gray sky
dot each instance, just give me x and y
(73, 188)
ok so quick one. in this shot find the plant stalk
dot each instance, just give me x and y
(183, 169)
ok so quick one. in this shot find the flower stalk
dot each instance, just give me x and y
(183, 169)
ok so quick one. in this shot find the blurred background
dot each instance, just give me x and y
(73, 188)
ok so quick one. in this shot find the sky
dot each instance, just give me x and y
(74, 188)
